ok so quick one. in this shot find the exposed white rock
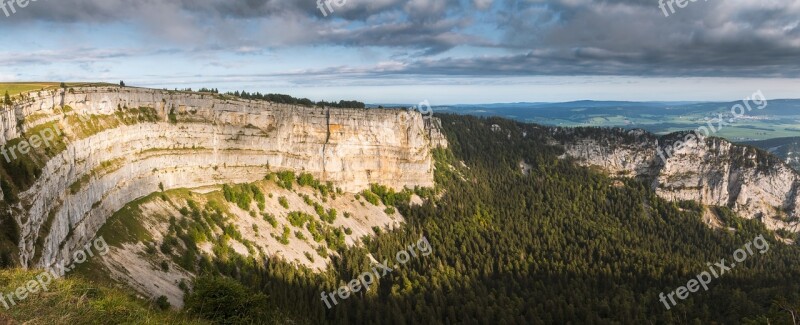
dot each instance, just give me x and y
(216, 140)
(712, 171)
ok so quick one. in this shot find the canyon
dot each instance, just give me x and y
(129, 159)
(122, 143)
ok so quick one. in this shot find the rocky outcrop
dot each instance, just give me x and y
(197, 140)
(711, 171)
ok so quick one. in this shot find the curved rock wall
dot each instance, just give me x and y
(215, 140)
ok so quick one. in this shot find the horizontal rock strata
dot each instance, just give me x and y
(198, 140)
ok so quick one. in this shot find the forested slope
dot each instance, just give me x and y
(562, 244)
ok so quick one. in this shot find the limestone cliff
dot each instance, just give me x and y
(711, 171)
(112, 155)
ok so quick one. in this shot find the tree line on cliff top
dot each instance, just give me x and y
(286, 99)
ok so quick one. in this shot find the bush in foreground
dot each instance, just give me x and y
(225, 301)
(77, 301)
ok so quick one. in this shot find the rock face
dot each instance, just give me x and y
(711, 171)
(198, 140)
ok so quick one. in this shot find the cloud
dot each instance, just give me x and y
(634, 37)
(524, 37)
(482, 4)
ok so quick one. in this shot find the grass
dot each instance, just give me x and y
(124, 225)
(16, 88)
(104, 168)
(77, 301)
(95, 271)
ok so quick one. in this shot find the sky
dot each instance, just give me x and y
(407, 51)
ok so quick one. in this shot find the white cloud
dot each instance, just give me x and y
(483, 4)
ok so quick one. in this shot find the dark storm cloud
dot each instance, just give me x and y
(560, 37)
(432, 26)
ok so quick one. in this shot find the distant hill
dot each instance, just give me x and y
(786, 148)
(775, 128)
(781, 117)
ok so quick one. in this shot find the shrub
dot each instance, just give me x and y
(193, 205)
(322, 251)
(372, 198)
(283, 202)
(320, 211)
(162, 303)
(385, 194)
(308, 200)
(298, 219)
(183, 286)
(166, 245)
(284, 238)
(285, 179)
(306, 179)
(225, 301)
(239, 194)
(189, 259)
(258, 195)
(172, 117)
(315, 228)
(309, 256)
(271, 219)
